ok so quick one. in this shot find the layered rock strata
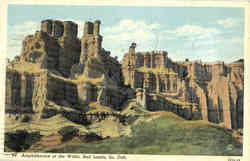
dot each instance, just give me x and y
(212, 92)
(57, 66)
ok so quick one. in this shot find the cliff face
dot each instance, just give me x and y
(25, 91)
(225, 99)
(212, 92)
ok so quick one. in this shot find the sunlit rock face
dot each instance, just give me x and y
(212, 92)
(55, 65)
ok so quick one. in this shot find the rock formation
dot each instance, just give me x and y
(194, 90)
(56, 66)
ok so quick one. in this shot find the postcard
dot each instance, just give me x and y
(124, 81)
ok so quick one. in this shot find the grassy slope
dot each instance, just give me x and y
(168, 134)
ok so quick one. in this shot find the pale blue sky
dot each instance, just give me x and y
(209, 34)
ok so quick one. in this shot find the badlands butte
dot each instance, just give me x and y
(60, 81)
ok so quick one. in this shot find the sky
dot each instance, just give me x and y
(196, 33)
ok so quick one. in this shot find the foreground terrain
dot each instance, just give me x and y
(168, 134)
(158, 133)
